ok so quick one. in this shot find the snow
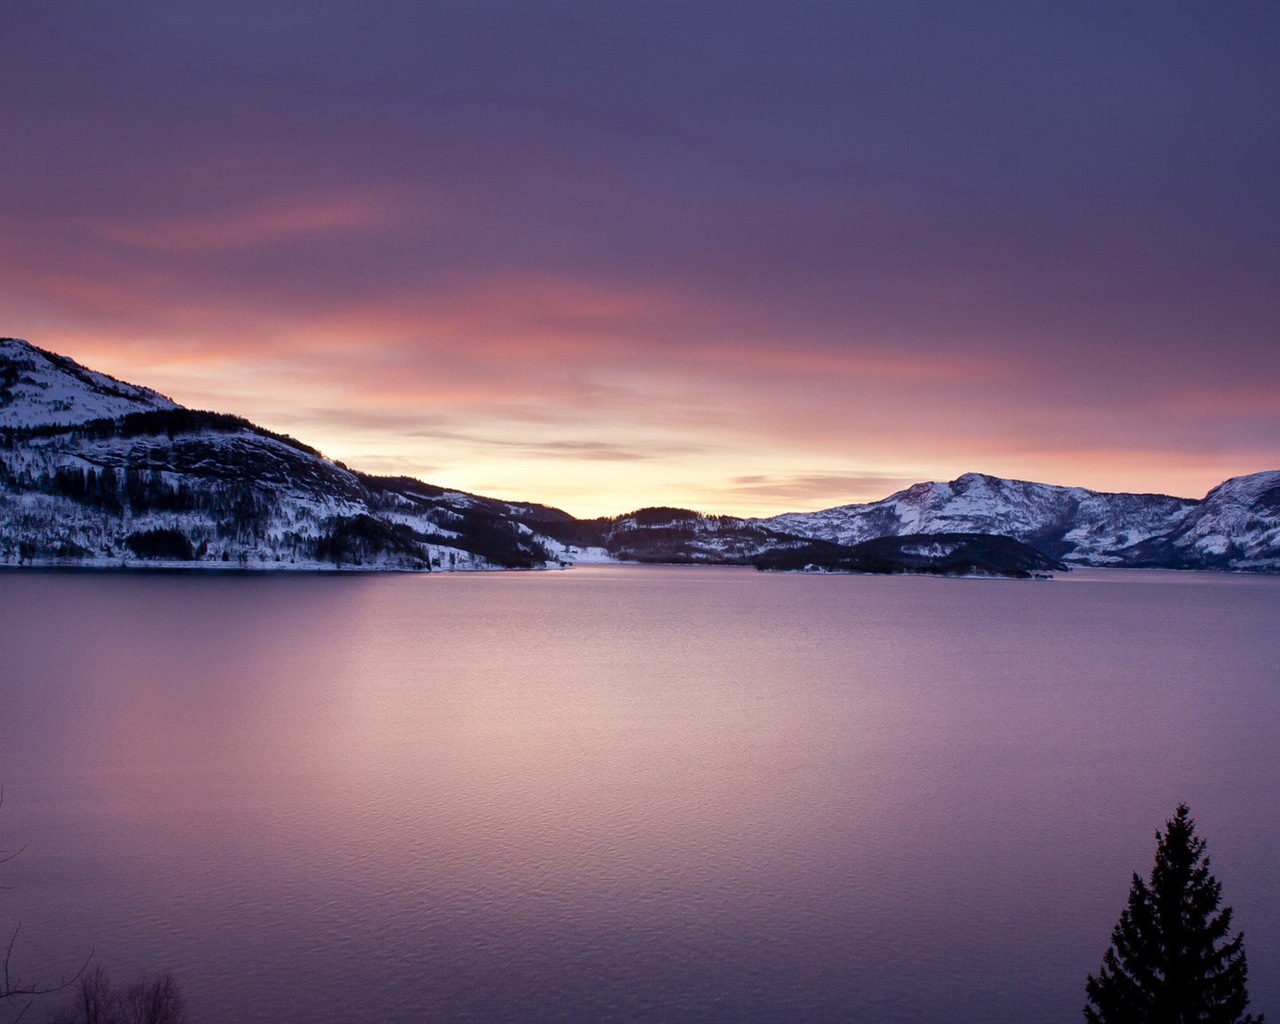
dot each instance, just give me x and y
(46, 393)
(588, 556)
(1237, 525)
(300, 497)
(928, 550)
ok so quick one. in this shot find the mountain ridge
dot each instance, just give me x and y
(1236, 526)
(39, 387)
(98, 472)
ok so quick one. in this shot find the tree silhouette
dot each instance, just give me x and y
(1170, 961)
(153, 1000)
(17, 989)
(156, 1000)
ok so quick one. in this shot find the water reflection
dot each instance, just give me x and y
(635, 794)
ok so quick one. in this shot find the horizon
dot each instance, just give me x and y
(686, 508)
(748, 259)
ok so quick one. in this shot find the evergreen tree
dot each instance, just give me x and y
(1170, 961)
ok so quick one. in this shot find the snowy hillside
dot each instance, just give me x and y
(1235, 527)
(671, 535)
(39, 388)
(96, 472)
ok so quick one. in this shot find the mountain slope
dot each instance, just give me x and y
(680, 536)
(98, 472)
(939, 554)
(1236, 526)
(38, 388)
(671, 536)
(148, 482)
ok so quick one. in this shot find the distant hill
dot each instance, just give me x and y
(939, 554)
(1235, 527)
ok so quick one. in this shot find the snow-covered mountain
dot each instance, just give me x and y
(672, 535)
(39, 388)
(1236, 526)
(683, 537)
(97, 472)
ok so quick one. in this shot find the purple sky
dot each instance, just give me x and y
(743, 257)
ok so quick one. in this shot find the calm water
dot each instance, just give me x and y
(626, 794)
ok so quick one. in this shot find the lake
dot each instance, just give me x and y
(626, 793)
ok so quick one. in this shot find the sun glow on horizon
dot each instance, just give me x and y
(589, 460)
(625, 277)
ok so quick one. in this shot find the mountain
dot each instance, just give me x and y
(39, 388)
(1236, 526)
(671, 536)
(97, 472)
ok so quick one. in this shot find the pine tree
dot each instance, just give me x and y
(1170, 961)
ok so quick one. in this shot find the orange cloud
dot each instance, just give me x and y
(266, 223)
(603, 398)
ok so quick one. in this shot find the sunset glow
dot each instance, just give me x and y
(743, 258)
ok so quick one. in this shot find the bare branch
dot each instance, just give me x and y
(4, 854)
(10, 989)
(15, 989)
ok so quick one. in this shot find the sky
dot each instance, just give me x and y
(741, 257)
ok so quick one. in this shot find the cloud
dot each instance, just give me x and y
(270, 222)
(576, 450)
(748, 257)
(826, 490)
(592, 451)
